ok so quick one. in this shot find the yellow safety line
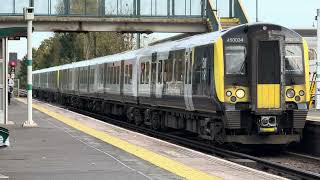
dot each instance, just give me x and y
(152, 157)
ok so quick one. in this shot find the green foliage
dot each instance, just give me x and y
(64, 48)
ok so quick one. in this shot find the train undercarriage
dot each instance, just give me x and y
(209, 126)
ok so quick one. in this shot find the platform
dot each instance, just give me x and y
(56, 151)
(73, 146)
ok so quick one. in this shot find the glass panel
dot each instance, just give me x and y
(161, 8)
(20, 4)
(145, 7)
(7, 8)
(118, 74)
(194, 7)
(130, 74)
(147, 73)
(180, 7)
(294, 62)
(160, 72)
(179, 65)
(142, 74)
(41, 7)
(111, 7)
(125, 7)
(56, 7)
(77, 7)
(235, 59)
(92, 7)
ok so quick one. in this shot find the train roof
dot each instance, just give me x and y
(162, 49)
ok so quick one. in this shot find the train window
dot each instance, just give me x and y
(236, 59)
(179, 65)
(118, 74)
(115, 77)
(100, 74)
(142, 74)
(110, 75)
(160, 71)
(130, 74)
(126, 74)
(153, 72)
(147, 73)
(312, 54)
(168, 67)
(293, 58)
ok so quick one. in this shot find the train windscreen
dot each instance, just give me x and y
(294, 62)
(235, 60)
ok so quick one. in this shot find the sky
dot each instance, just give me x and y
(289, 13)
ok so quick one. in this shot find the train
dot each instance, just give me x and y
(245, 85)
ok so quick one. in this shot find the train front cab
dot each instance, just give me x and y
(266, 89)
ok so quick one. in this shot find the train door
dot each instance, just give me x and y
(268, 74)
(188, 80)
(160, 69)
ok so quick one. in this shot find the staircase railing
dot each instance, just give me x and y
(240, 12)
(212, 19)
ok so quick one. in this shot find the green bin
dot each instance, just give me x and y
(4, 137)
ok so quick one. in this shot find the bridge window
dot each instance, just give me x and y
(236, 59)
(293, 59)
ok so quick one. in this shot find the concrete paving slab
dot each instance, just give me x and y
(57, 151)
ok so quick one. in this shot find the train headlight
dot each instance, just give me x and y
(290, 93)
(240, 93)
(229, 93)
(301, 93)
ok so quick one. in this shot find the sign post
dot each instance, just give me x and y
(29, 16)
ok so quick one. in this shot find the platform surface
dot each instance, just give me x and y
(67, 145)
(314, 117)
(57, 151)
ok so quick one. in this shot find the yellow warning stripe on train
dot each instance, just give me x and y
(152, 157)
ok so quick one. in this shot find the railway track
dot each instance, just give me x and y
(261, 163)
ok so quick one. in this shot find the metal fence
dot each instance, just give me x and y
(187, 8)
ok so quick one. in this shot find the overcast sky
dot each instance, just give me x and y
(289, 13)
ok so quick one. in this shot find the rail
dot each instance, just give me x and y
(262, 164)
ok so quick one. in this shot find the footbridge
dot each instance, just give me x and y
(184, 16)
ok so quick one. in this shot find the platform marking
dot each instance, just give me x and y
(152, 157)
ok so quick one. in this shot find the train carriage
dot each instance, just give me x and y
(248, 84)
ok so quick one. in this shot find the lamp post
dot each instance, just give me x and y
(29, 16)
(257, 11)
(317, 93)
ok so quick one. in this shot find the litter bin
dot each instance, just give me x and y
(4, 137)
